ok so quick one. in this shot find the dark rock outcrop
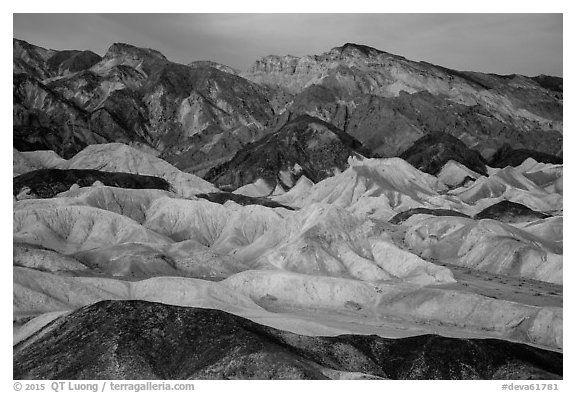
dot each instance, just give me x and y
(46, 183)
(431, 152)
(48, 63)
(303, 146)
(510, 212)
(553, 83)
(70, 61)
(222, 197)
(507, 156)
(401, 217)
(141, 340)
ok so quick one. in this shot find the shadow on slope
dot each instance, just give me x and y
(223, 197)
(432, 151)
(304, 146)
(403, 216)
(46, 183)
(510, 212)
(131, 340)
(507, 156)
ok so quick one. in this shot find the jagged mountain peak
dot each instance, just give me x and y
(119, 49)
(213, 64)
(142, 59)
(353, 48)
(19, 44)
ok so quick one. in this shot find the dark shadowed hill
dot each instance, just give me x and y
(510, 212)
(403, 216)
(432, 151)
(553, 83)
(507, 156)
(304, 146)
(69, 61)
(45, 63)
(46, 183)
(142, 340)
(223, 197)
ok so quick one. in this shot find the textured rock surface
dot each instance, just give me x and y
(66, 100)
(379, 188)
(198, 116)
(304, 146)
(222, 197)
(401, 217)
(44, 63)
(506, 156)
(133, 341)
(116, 157)
(486, 245)
(510, 212)
(431, 152)
(451, 255)
(46, 183)
(387, 101)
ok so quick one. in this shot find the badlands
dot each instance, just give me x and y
(380, 252)
(346, 215)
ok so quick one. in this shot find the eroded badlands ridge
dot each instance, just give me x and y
(331, 264)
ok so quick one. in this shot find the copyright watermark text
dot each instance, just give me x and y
(102, 386)
(530, 386)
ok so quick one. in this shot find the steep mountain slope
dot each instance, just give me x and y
(44, 120)
(198, 116)
(387, 101)
(133, 341)
(507, 156)
(73, 99)
(431, 152)
(304, 146)
(46, 63)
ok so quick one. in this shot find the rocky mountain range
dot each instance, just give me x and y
(198, 116)
(347, 215)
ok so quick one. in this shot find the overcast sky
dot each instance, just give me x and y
(528, 44)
